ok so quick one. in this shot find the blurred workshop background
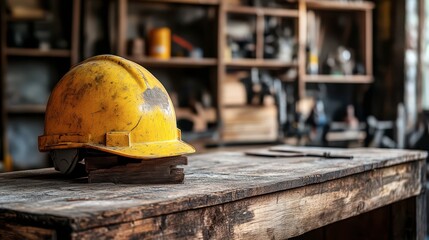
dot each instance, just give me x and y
(240, 72)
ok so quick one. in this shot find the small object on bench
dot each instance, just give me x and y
(127, 170)
(281, 151)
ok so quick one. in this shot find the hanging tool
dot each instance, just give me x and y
(287, 153)
(314, 154)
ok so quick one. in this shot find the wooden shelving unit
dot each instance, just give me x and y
(9, 55)
(26, 108)
(34, 52)
(364, 9)
(345, 79)
(229, 130)
(340, 5)
(174, 62)
(291, 13)
(194, 2)
(21, 19)
(216, 64)
(258, 63)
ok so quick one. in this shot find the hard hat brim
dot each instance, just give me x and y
(148, 150)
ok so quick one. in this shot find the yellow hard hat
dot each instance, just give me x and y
(111, 104)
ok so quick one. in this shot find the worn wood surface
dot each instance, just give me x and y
(224, 195)
(15, 231)
(277, 215)
(125, 170)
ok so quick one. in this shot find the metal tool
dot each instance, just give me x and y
(313, 154)
(286, 153)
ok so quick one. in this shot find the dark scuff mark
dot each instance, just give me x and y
(72, 96)
(78, 121)
(115, 95)
(136, 123)
(99, 78)
(144, 78)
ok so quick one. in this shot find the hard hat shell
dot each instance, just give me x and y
(113, 105)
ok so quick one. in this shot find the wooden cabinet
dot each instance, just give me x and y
(253, 121)
(358, 13)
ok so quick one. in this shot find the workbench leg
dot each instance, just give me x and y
(409, 218)
(421, 216)
(421, 205)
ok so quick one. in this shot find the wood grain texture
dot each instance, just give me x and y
(357, 79)
(259, 63)
(75, 30)
(162, 170)
(13, 231)
(338, 5)
(174, 62)
(35, 52)
(278, 215)
(45, 198)
(278, 12)
(302, 43)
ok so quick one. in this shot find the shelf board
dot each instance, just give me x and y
(24, 19)
(339, 5)
(259, 63)
(278, 12)
(26, 108)
(363, 79)
(35, 52)
(174, 62)
(196, 2)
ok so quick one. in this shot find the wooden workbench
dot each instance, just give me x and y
(229, 195)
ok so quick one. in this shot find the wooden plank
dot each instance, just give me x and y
(368, 42)
(122, 26)
(221, 48)
(3, 63)
(16, 231)
(358, 79)
(250, 123)
(197, 2)
(45, 196)
(421, 62)
(253, 114)
(260, 11)
(26, 108)
(373, 225)
(259, 63)
(163, 170)
(302, 43)
(390, 222)
(260, 29)
(278, 215)
(35, 52)
(409, 218)
(75, 33)
(420, 216)
(339, 5)
(174, 62)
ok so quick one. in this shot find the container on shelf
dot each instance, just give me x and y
(160, 43)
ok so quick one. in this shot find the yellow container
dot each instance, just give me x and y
(160, 43)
